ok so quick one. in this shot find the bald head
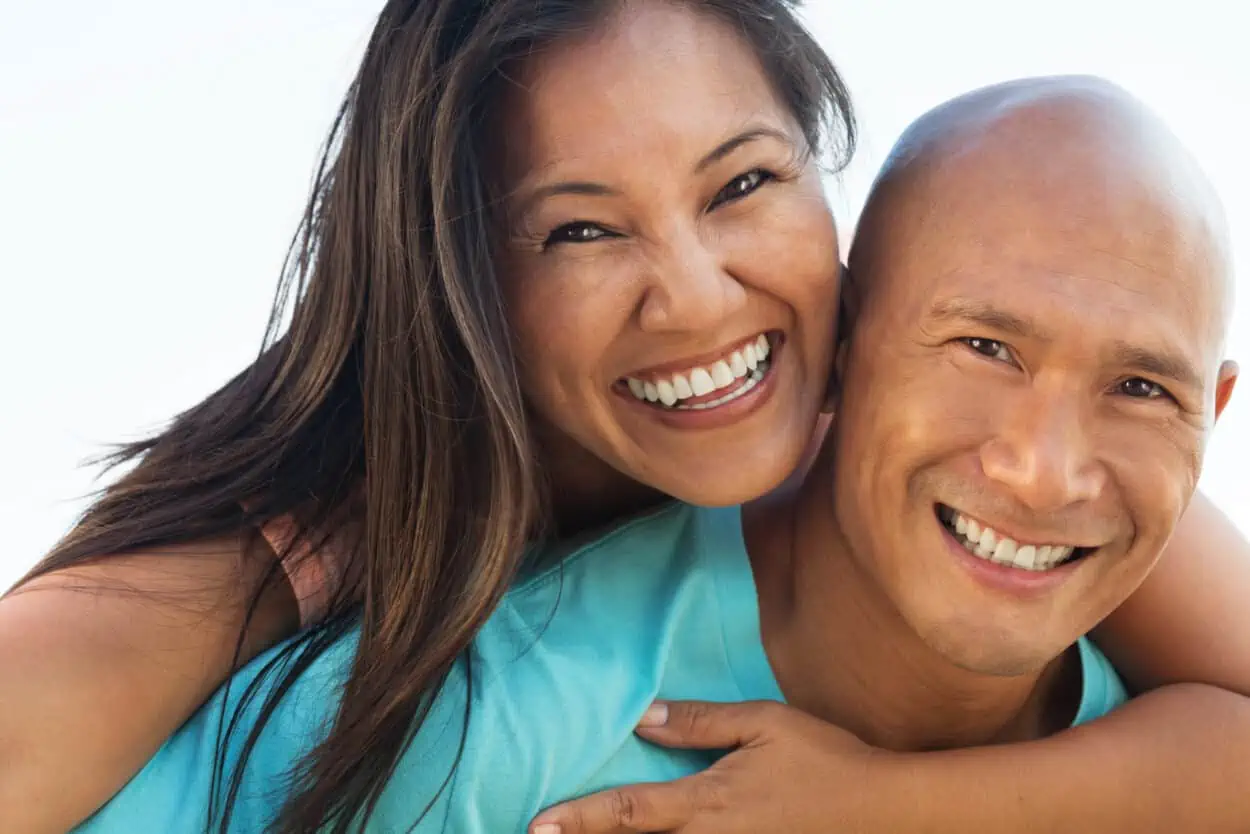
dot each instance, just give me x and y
(1072, 163)
(1037, 356)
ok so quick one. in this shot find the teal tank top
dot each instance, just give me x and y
(663, 606)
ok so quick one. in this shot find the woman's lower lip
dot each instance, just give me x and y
(721, 415)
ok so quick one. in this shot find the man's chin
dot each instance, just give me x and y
(990, 650)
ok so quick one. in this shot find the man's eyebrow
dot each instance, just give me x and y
(1159, 363)
(986, 315)
(586, 188)
(1164, 363)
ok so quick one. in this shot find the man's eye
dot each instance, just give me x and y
(740, 186)
(1142, 389)
(576, 233)
(991, 348)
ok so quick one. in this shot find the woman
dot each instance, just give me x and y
(422, 412)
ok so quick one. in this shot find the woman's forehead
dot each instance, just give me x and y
(658, 79)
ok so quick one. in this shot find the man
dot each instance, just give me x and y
(1040, 290)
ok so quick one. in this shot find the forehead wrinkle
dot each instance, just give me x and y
(987, 314)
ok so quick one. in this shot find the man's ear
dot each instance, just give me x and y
(833, 390)
(848, 310)
(1224, 386)
(850, 300)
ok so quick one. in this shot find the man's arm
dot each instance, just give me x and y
(1190, 620)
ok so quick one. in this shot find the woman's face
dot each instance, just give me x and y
(670, 262)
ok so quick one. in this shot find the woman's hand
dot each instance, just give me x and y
(788, 772)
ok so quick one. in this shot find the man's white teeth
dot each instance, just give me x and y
(739, 372)
(987, 543)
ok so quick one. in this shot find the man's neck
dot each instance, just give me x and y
(841, 650)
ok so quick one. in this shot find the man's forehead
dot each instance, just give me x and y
(1055, 200)
(1085, 267)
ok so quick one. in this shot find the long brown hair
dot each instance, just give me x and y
(392, 394)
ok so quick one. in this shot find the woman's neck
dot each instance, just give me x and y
(587, 494)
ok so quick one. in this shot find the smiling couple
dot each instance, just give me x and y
(1030, 363)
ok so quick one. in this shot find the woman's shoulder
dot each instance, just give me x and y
(651, 569)
(650, 538)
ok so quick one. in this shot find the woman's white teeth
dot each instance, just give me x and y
(701, 382)
(987, 543)
(741, 371)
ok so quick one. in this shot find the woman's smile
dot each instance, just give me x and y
(709, 391)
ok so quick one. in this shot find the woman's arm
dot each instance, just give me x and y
(1190, 620)
(102, 663)
(1173, 759)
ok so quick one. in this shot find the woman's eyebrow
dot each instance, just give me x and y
(589, 188)
(732, 144)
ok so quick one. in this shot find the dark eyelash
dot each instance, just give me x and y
(1163, 393)
(562, 234)
(971, 342)
(765, 177)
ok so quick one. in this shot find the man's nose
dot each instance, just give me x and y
(1042, 453)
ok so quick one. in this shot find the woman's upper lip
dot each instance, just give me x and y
(698, 360)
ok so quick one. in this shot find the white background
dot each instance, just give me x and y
(155, 156)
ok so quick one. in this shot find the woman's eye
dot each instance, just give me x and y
(741, 186)
(1142, 389)
(991, 348)
(576, 233)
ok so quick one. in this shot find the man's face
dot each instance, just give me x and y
(1026, 400)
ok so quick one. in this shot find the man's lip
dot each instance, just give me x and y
(1005, 578)
(1020, 536)
(700, 360)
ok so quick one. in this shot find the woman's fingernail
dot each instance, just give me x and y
(655, 716)
(547, 828)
